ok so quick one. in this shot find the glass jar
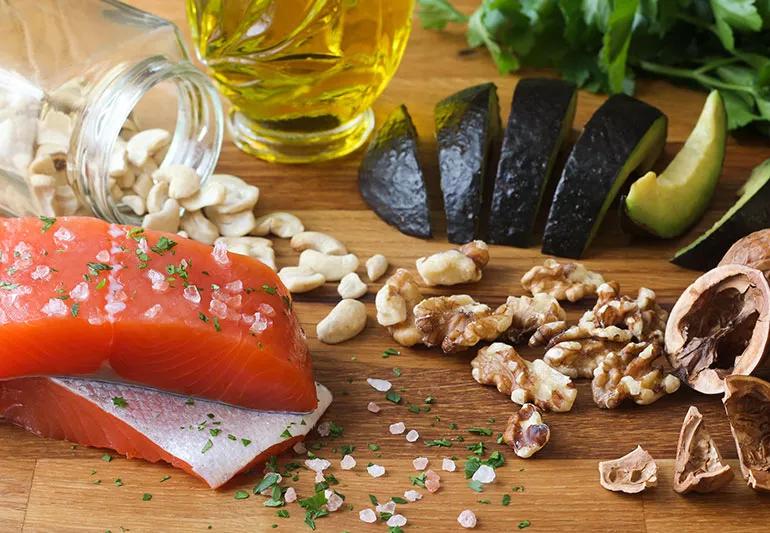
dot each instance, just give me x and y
(78, 78)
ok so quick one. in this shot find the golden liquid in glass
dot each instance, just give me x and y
(301, 74)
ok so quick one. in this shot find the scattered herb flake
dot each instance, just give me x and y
(118, 482)
(94, 268)
(207, 446)
(518, 488)
(8, 286)
(390, 352)
(241, 494)
(397, 372)
(245, 442)
(106, 458)
(269, 290)
(214, 432)
(164, 479)
(418, 480)
(429, 399)
(164, 245)
(506, 499)
(475, 486)
(146, 497)
(443, 443)
(189, 401)
(217, 327)
(524, 524)
(282, 513)
(75, 309)
(286, 434)
(268, 481)
(480, 431)
(47, 223)
(374, 447)
(373, 499)
(399, 500)
(393, 396)
(101, 284)
(202, 317)
(119, 401)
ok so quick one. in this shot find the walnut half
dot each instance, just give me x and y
(529, 314)
(699, 466)
(747, 402)
(631, 473)
(563, 281)
(527, 382)
(526, 432)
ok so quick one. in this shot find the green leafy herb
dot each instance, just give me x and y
(390, 352)
(443, 443)
(397, 372)
(214, 432)
(207, 446)
(414, 408)
(393, 396)
(524, 524)
(118, 482)
(269, 290)
(480, 431)
(506, 499)
(164, 245)
(282, 513)
(245, 442)
(429, 399)
(475, 486)
(8, 286)
(313, 507)
(119, 401)
(374, 447)
(286, 434)
(101, 284)
(94, 268)
(217, 327)
(106, 458)
(373, 499)
(241, 495)
(47, 223)
(268, 481)
(399, 500)
(75, 309)
(477, 448)
(418, 480)
(164, 479)
(146, 497)
(518, 488)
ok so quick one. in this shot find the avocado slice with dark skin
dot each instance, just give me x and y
(622, 136)
(542, 112)
(390, 177)
(468, 132)
(751, 212)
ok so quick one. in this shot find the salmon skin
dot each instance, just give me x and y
(210, 440)
(80, 297)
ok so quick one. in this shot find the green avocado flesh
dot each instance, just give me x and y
(622, 136)
(750, 213)
(667, 205)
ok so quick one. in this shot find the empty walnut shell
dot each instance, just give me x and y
(753, 250)
(747, 402)
(699, 466)
(719, 327)
(632, 473)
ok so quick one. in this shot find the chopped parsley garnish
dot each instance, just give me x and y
(245, 442)
(506, 499)
(347, 449)
(75, 309)
(397, 372)
(518, 488)
(389, 352)
(119, 401)
(8, 286)
(47, 223)
(414, 409)
(135, 233)
(485, 501)
(94, 268)
(418, 480)
(118, 482)
(269, 290)
(393, 396)
(480, 431)
(241, 494)
(164, 245)
(374, 447)
(373, 499)
(101, 284)
(207, 446)
(217, 327)
(314, 508)
(399, 500)
(499, 439)
(282, 513)
(214, 432)
(475, 485)
(165, 478)
(268, 481)
(106, 458)
(335, 431)
(189, 401)
(429, 399)
(286, 434)
(146, 497)
(477, 448)
(202, 317)
(443, 443)
(524, 524)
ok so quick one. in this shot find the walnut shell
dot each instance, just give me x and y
(719, 327)
(699, 466)
(753, 250)
(747, 403)
(631, 473)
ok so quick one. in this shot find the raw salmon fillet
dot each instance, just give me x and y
(80, 297)
(210, 440)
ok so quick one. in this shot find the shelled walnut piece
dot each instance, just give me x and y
(563, 281)
(526, 382)
(747, 403)
(395, 303)
(526, 432)
(529, 314)
(453, 267)
(631, 473)
(699, 466)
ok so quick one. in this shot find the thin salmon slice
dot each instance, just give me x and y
(80, 297)
(210, 440)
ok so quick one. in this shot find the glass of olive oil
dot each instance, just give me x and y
(301, 75)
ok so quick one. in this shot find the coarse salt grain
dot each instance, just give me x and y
(373, 407)
(115, 231)
(432, 481)
(317, 464)
(234, 286)
(448, 465)
(191, 294)
(260, 323)
(367, 515)
(219, 253)
(299, 448)
(333, 500)
(397, 520)
(348, 462)
(80, 292)
(55, 307)
(467, 519)
(290, 495)
(376, 470)
(412, 495)
(420, 463)
(484, 474)
(319, 477)
(387, 507)
(324, 429)
(158, 280)
(266, 309)
(218, 309)
(381, 385)
(412, 435)
(143, 246)
(113, 308)
(63, 235)
(41, 272)
(397, 429)
(153, 311)
(103, 256)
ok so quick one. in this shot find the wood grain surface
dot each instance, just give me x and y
(49, 486)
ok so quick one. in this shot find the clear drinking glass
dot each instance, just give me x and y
(301, 74)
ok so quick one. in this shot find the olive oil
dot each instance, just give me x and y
(301, 74)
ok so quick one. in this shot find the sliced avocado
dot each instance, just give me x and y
(623, 135)
(750, 213)
(542, 111)
(667, 205)
(391, 180)
(467, 131)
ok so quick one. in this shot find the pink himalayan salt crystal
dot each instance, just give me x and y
(348, 462)
(367, 515)
(420, 463)
(373, 407)
(234, 286)
(55, 307)
(432, 481)
(41, 272)
(387, 507)
(247, 319)
(317, 464)
(299, 448)
(266, 309)
(158, 280)
(412, 495)
(412, 435)
(235, 301)
(380, 385)
(114, 308)
(376, 470)
(143, 246)
(80, 292)
(324, 429)
(218, 309)
(448, 465)
(467, 519)
(191, 294)
(153, 311)
(117, 250)
(484, 474)
(397, 520)
(63, 235)
(115, 231)
(103, 256)
(319, 477)
(219, 253)
(290, 495)
(333, 500)
(397, 429)
(260, 324)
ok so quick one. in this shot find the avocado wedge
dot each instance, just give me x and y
(542, 111)
(623, 135)
(391, 180)
(750, 213)
(467, 131)
(667, 205)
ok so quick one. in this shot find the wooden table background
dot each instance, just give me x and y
(47, 485)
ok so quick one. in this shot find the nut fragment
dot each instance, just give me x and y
(543, 335)
(719, 326)
(167, 219)
(333, 267)
(144, 144)
(44, 191)
(528, 314)
(239, 195)
(631, 473)
(231, 224)
(135, 203)
(300, 279)
(699, 466)
(527, 382)
(209, 194)
(280, 224)
(351, 286)
(747, 402)
(753, 250)
(182, 180)
(454, 266)
(563, 281)
(395, 303)
(376, 266)
(636, 372)
(526, 432)
(315, 240)
(198, 227)
(345, 321)
(255, 247)
(156, 197)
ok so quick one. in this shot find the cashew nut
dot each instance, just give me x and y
(300, 279)
(144, 144)
(183, 233)
(118, 164)
(135, 203)
(66, 201)
(157, 196)
(167, 219)
(351, 286)
(44, 191)
(376, 266)
(280, 224)
(315, 240)
(198, 227)
(231, 225)
(333, 267)
(345, 321)
(126, 180)
(208, 195)
(182, 180)
(142, 185)
(255, 247)
(54, 128)
(239, 195)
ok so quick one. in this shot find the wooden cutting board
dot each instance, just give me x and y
(48, 486)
